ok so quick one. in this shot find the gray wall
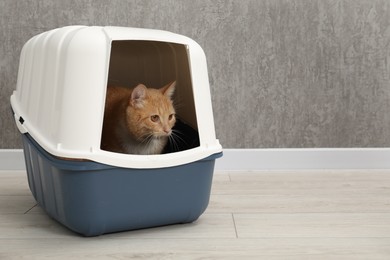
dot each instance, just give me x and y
(299, 73)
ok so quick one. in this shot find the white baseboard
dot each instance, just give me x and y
(12, 159)
(300, 159)
(269, 159)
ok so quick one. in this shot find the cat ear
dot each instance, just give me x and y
(138, 95)
(168, 89)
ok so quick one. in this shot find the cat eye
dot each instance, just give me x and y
(171, 117)
(155, 118)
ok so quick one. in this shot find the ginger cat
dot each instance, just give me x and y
(138, 120)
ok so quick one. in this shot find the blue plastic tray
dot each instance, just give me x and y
(93, 199)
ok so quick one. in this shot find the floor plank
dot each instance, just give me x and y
(32, 226)
(275, 248)
(252, 215)
(290, 203)
(16, 204)
(13, 183)
(324, 225)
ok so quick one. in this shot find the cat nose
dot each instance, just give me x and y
(167, 131)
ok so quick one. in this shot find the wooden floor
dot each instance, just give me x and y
(251, 215)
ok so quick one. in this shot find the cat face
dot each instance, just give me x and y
(150, 112)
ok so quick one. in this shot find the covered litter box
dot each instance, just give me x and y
(59, 108)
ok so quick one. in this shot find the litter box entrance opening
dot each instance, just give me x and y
(155, 64)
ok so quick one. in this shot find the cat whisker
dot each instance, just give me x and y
(177, 133)
(172, 141)
(178, 105)
(145, 139)
(176, 141)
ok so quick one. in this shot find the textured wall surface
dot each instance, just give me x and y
(283, 73)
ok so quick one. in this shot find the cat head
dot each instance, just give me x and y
(150, 112)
